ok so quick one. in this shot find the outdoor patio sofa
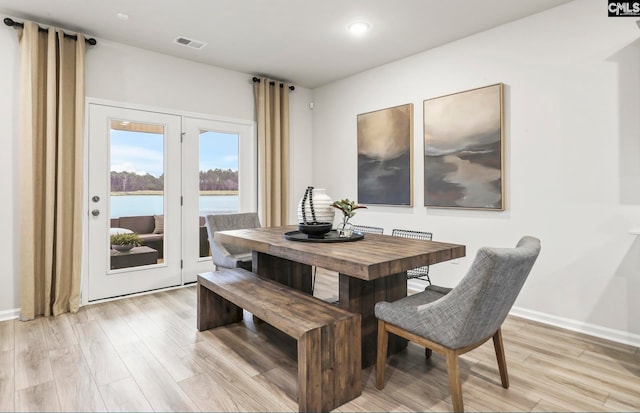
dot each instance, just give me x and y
(150, 228)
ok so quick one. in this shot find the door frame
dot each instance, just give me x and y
(84, 285)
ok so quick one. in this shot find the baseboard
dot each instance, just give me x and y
(586, 328)
(9, 314)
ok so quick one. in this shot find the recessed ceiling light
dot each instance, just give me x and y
(122, 16)
(358, 27)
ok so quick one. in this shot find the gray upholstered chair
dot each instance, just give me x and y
(454, 322)
(230, 256)
(368, 229)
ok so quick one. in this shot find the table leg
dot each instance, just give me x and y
(287, 272)
(360, 296)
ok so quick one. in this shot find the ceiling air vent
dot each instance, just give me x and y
(194, 44)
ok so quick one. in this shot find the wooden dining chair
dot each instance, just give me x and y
(368, 229)
(230, 256)
(455, 322)
(421, 273)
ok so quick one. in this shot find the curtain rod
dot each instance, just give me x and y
(11, 23)
(272, 83)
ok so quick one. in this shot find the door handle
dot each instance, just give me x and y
(95, 212)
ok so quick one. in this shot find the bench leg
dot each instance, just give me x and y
(309, 372)
(215, 311)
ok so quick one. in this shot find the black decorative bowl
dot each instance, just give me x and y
(315, 229)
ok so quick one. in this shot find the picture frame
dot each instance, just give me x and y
(385, 156)
(464, 149)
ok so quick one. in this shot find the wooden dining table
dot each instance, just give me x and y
(371, 269)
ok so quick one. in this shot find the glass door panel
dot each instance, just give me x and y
(219, 153)
(136, 194)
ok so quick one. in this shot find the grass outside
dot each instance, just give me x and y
(202, 193)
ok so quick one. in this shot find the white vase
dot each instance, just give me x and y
(324, 212)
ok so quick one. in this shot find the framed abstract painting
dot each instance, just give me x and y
(464, 149)
(385, 156)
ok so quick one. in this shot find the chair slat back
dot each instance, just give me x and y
(420, 272)
(368, 229)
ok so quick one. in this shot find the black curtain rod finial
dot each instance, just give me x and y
(9, 22)
(12, 23)
(272, 83)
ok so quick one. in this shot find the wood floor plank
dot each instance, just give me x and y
(213, 347)
(38, 398)
(113, 324)
(178, 361)
(213, 395)
(374, 401)
(622, 401)
(547, 406)
(418, 391)
(164, 318)
(7, 336)
(236, 377)
(124, 396)
(100, 355)
(597, 379)
(155, 382)
(76, 388)
(58, 332)
(7, 380)
(552, 386)
(124, 331)
(32, 358)
(621, 363)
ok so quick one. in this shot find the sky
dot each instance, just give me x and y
(142, 152)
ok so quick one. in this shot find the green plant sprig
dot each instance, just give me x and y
(126, 239)
(347, 207)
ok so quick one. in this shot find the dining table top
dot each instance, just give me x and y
(374, 256)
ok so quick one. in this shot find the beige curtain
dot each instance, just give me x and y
(50, 171)
(272, 114)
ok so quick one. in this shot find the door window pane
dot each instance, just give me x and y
(137, 191)
(218, 178)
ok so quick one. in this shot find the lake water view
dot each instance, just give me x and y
(134, 205)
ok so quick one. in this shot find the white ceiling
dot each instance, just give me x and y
(302, 41)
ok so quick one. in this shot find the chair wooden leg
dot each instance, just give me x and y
(381, 361)
(454, 380)
(502, 360)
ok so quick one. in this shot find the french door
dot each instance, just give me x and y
(157, 175)
(219, 176)
(134, 188)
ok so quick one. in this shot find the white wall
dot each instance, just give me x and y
(572, 157)
(121, 73)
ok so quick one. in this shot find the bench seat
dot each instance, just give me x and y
(329, 354)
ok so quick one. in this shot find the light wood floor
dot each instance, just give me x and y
(145, 354)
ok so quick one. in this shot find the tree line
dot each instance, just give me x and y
(211, 180)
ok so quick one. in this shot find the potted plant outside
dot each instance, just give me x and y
(124, 242)
(348, 208)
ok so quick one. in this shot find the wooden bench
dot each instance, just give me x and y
(329, 354)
